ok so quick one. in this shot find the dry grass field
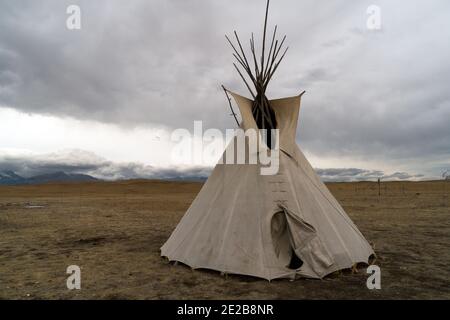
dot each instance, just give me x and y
(114, 230)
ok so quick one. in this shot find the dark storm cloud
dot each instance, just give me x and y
(140, 62)
(355, 174)
(78, 161)
(69, 162)
(370, 94)
(402, 176)
(349, 172)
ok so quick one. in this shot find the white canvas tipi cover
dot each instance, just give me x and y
(246, 223)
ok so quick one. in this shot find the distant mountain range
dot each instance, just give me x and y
(11, 178)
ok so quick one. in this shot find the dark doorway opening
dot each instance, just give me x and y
(295, 262)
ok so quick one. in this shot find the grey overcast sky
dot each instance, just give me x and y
(104, 99)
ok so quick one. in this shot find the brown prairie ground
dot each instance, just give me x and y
(113, 231)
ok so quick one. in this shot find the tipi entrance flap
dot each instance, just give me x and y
(280, 238)
(306, 243)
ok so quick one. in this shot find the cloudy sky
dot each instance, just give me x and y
(105, 99)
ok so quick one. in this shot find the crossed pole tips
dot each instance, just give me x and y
(255, 74)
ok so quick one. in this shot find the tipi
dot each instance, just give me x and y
(269, 226)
